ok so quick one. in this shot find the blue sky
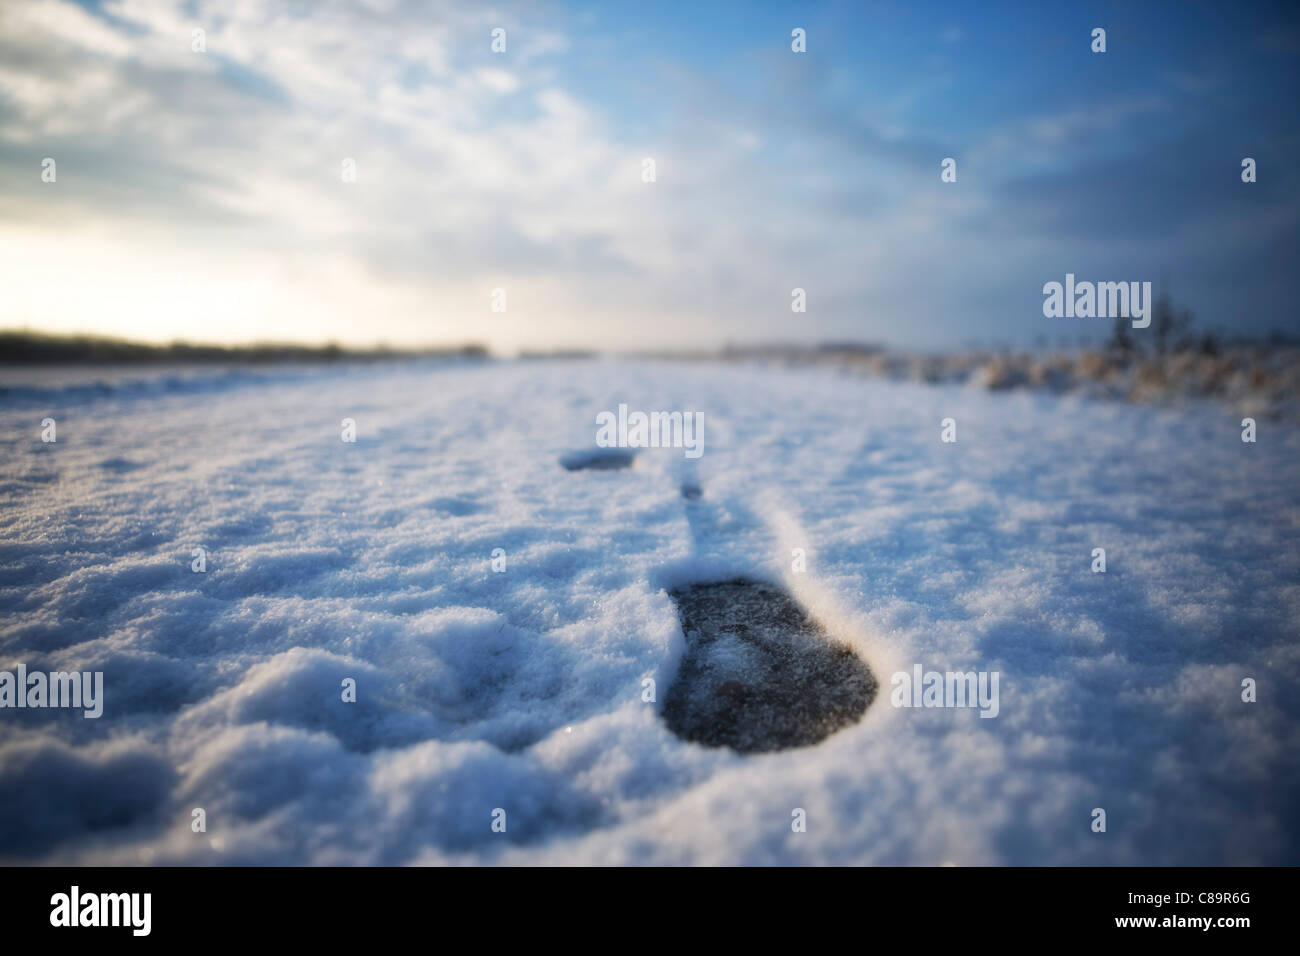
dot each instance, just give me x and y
(199, 194)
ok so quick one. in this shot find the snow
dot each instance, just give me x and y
(522, 690)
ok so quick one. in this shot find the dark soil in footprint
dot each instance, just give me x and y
(600, 459)
(759, 674)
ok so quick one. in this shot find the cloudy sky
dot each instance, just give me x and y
(200, 195)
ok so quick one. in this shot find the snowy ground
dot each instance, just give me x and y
(522, 690)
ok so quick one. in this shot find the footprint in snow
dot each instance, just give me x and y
(599, 459)
(759, 674)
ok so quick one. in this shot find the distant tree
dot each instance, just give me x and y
(1166, 324)
(1162, 323)
(1121, 339)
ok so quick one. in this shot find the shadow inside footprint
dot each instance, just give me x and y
(759, 674)
(600, 459)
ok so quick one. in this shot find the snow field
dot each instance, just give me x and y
(522, 690)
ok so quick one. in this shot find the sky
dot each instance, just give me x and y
(200, 195)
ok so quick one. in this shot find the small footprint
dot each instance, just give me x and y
(759, 674)
(598, 459)
(120, 465)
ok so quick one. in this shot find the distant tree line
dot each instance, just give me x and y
(32, 348)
